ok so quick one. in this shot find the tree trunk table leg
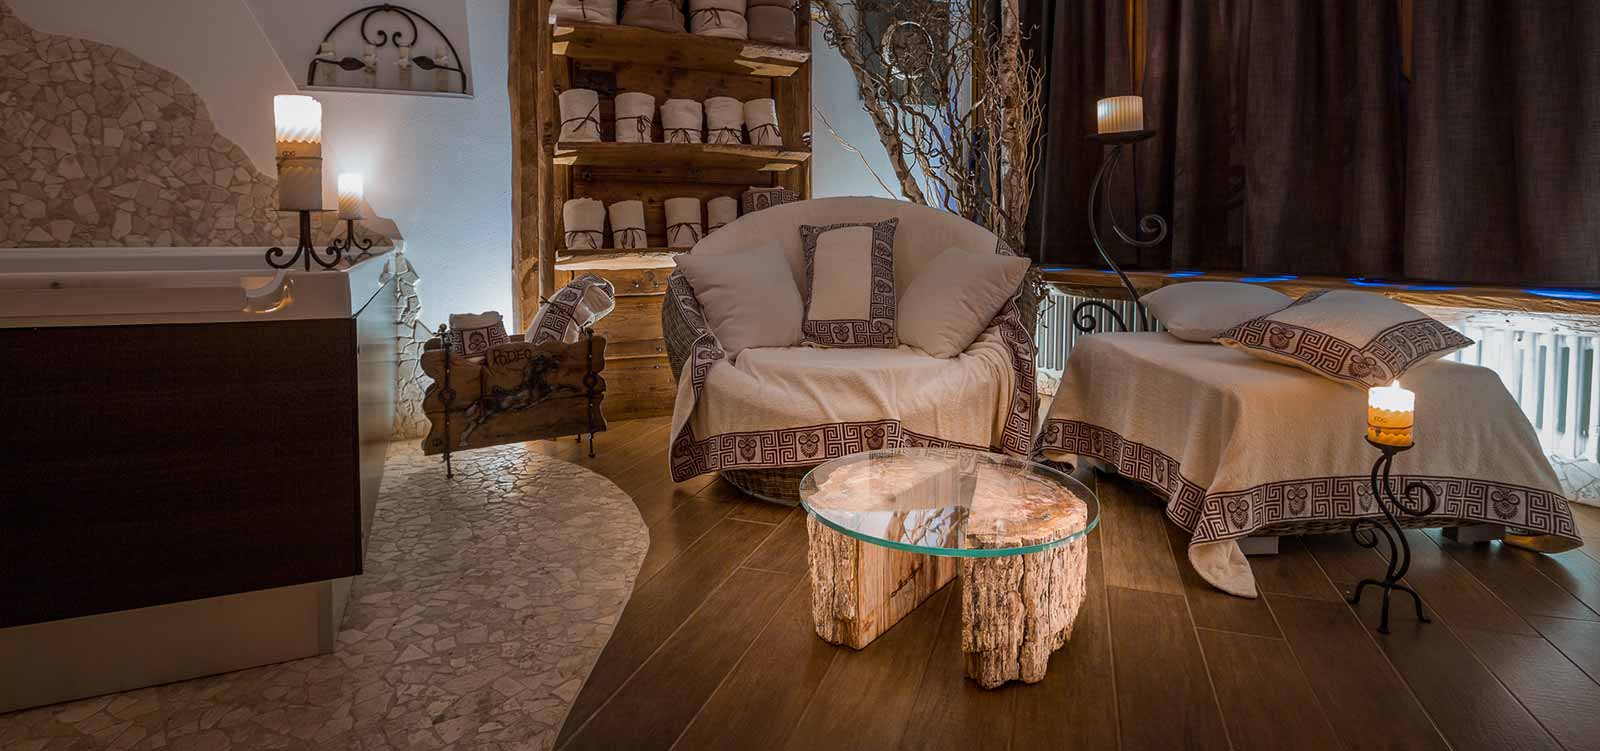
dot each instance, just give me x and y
(859, 590)
(1018, 609)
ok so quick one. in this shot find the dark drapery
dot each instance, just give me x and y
(1503, 164)
(1290, 141)
(1083, 45)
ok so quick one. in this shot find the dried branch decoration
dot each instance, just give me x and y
(956, 101)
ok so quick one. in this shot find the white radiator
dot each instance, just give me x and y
(1550, 371)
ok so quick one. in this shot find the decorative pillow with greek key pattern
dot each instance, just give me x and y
(1356, 338)
(849, 289)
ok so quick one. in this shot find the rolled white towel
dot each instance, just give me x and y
(627, 225)
(761, 117)
(683, 222)
(724, 120)
(772, 23)
(580, 116)
(583, 223)
(681, 121)
(661, 15)
(718, 18)
(720, 211)
(585, 11)
(636, 112)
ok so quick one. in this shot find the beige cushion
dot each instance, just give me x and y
(953, 300)
(1199, 311)
(750, 299)
(849, 290)
(1355, 338)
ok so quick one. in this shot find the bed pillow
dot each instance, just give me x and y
(749, 298)
(849, 287)
(1355, 338)
(1199, 311)
(955, 298)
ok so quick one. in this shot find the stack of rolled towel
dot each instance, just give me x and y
(772, 21)
(761, 117)
(627, 225)
(583, 222)
(635, 114)
(724, 120)
(681, 121)
(683, 222)
(585, 11)
(580, 116)
(718, 18)
(720, 211)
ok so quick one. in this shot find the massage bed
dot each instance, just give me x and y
(1239, 447)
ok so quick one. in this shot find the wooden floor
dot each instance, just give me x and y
(716, 649)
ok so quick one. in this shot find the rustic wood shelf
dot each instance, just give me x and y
(681, 155)
(617, 258)
(630, 44)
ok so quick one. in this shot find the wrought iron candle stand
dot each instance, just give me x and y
(1083, 318)
(1408, 502)
(306, 252)
(349, 242)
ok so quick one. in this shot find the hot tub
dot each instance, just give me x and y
(192, 447)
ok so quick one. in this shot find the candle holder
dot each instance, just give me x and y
(305, 252)
(1416, 500)
(350, 242)
(1083, 317)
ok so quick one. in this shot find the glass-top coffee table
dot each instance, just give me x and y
(889, 528)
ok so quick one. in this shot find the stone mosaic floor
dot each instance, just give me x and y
(485, 603)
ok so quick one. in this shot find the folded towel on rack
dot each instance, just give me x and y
(627, 225)
(720, 211)
(583, 222)
(578, 306)
(724, 120)
(761, 117)
(636, 114)
(661, 15)
(683, 222)
(681, 121)
(772, 23)
(718, 18)
(580, 116)
(585, 11)
(473, 334)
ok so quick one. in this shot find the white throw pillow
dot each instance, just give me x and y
(749, 298)
(955, 298)
(849, 288)
(1198, 311)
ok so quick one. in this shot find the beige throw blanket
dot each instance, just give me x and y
(1238, 446)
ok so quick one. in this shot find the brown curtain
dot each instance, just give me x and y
(1083, 44)
(1503, 165)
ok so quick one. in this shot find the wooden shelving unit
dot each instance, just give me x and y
(612, 60)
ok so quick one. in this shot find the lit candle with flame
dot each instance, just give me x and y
(352, 191)
(298, 124)
(1391, 414)
(1119, 114)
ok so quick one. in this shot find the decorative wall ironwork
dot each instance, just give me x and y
(373, 20)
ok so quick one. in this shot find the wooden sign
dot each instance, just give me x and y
(519, 392)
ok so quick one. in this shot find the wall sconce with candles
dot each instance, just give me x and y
(1391, 419)
(297, 120)
(1119, 123)
(445, 63)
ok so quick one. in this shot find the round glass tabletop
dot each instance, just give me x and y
(949, 502)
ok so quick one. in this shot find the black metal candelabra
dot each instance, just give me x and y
(1416, 499)
(306, 252)
(1083, 318)
(350, 241)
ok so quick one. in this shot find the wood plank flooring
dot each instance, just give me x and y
(716, 649)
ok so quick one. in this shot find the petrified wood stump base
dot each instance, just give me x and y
(1018, 609)
(1015, 610)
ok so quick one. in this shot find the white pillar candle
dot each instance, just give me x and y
(1391, 415)
(636, 113)
(720, 211)
(724, 120)
(583, 223)
(352, 191)
(1120, 114)
(718, 18)
(627, 225)
(297, 122)
(681, 121)
(580, 116)
(761, 117)
(683, 222)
